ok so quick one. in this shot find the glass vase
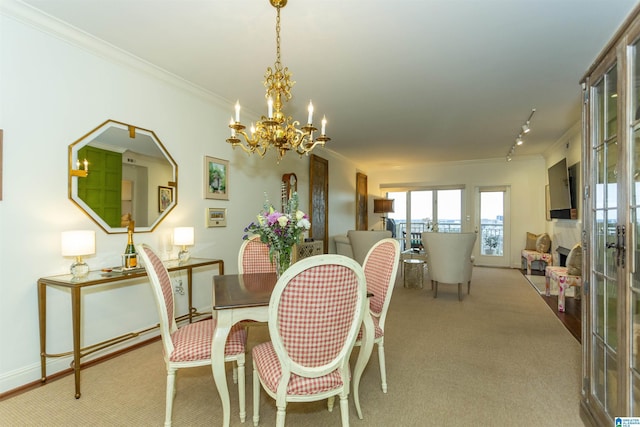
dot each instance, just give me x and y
(282, 260)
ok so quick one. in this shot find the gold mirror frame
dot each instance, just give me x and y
(142, 154)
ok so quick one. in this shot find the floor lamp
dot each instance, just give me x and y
(383, 206)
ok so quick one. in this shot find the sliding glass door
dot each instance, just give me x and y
(419, 210)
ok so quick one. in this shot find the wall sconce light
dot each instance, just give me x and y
(81, 170)
(183, 236)
(77, 244)
(383, 206)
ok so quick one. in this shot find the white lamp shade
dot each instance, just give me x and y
(183, 236)
(78, 243)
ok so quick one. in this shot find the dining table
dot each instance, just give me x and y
(241, 297)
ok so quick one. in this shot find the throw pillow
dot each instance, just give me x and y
(543, 243)
(574, 261)
(531, 242)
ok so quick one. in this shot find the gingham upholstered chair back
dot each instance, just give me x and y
(163, 294)
(254, 257)
(190, 345)
(380, 269)
(315, 313)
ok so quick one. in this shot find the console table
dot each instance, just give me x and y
(101, 278)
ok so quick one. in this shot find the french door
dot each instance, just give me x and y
(492, 225)
(611, 302)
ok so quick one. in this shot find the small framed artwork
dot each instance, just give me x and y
(216, 217)
(165, 197)
(216, 178)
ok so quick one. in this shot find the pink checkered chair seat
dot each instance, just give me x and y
(190, 345)
(380, 269)
(315, 312)
(192, 342)
(254, 257)
(270, 371)
(557, 276)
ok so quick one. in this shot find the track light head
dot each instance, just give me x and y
(525, 128)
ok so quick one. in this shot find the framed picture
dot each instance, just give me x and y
(362, 201)
(165, 197)
(216, 178)
(319, 195)
(216, 217)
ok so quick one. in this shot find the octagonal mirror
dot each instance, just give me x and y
(120, 173)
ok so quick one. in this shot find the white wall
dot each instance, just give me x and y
(523, 175)
(56, 86)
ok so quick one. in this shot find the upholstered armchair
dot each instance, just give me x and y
(357, 243)
(449, 258)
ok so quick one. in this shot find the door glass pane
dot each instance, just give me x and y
(612, 384)
(635, 403)
(635, 331)
(599, 178)
(598, 374)
(598, 112)
(598, 327)
(611, 85)
(491, 222)
(611, 314)
(421, 218)
(449, 218)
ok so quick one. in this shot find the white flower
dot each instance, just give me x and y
(299, 215)
(304, 223)
(283, 221)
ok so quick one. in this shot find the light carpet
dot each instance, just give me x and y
(490, 360)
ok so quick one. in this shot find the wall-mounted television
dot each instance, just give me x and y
(563, 183)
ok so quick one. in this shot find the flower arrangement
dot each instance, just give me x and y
(280, 231)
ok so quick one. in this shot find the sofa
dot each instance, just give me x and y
(356, 243)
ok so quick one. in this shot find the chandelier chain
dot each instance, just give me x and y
(278, 38)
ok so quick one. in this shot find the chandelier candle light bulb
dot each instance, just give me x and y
(310, 113)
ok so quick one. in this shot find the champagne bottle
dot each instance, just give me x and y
(130, 256)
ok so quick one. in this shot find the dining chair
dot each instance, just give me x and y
(254, 257)
(190, 345)
(380, 269)
(449, 259)
(315, 312)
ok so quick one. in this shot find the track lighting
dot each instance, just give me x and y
(519, 141)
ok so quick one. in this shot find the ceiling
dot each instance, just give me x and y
(401, 82)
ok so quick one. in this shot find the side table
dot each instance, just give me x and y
(413, 273)
(96, 278)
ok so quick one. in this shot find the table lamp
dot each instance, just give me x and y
(183, 236)
(77, 244)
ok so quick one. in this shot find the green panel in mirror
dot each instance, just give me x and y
(126, 166)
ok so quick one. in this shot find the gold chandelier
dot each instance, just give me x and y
(277, 130)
